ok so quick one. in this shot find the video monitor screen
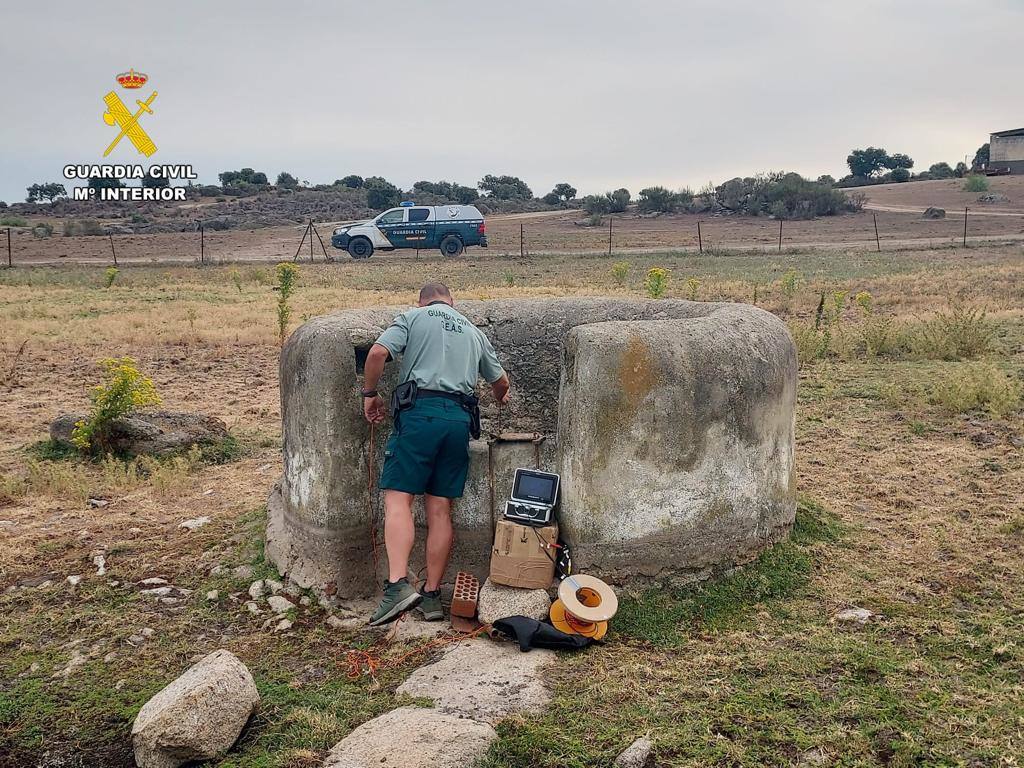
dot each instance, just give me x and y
(537, 487)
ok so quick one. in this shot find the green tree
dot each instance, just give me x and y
(981, 157)
(961, 170)
(562, 193)
(448, 190)
(899, 161)
(381, 193)
(827, 180)
(49, 191)
(244, 176)
(941, 171)
(286, 181)
(596, 205)
(658, 199)
(899, 175)
(870, 162)
(155, 182)
(505, 187)
(96, 183)
(351, 181)
(618, 200)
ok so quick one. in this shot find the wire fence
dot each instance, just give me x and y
(534, 235)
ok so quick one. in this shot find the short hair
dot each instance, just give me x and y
(434, 291)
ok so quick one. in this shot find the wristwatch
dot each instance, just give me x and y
(369, 392)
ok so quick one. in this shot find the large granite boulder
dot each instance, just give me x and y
(199, 716)
(150, 433)
(696, 507)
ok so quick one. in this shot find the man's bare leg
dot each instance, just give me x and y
(439, 539)
(399, 532)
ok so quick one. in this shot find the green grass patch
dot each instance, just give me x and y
(660, 615)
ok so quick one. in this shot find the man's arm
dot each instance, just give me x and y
(373, 406)
(500, 389)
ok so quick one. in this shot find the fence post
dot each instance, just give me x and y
(112, 251)
(878, 243)
(700, 240)
(780, 235)
(610, 235)
(10, 263)
(520, 241)
(202, 244)
(965, 227)
(310, 241)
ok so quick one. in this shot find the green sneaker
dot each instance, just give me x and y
(398, 597)
(430, 606)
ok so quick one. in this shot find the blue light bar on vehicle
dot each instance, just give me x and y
(406, 203)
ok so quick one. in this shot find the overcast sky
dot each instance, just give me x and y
(599, 94)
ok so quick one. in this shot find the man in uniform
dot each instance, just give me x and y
(443, 354)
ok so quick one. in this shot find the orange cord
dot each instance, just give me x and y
(370, 663)
(370, 516)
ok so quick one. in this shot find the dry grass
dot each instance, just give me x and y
(750, 672)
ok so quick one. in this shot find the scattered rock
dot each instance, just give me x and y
(213, 594)
(147, 632)
(135, 531)
(153, 581)
(280, 604)
(157, 591)
(77, 659)
(242, 572)
(45, 585)
(636, 755)
(993, 197)
(284, 624)
(198, 716)
(934, 213)
(195, 523)
(101, 565)
(151, 433)
(484, 680)
(253, 607)
(97, 503)
(345, 623)
(74, 581)
(217, 570)
(500, 602)
(257, 590)
(413, 737)
(273, 586)
(854, 616)
(304, 601)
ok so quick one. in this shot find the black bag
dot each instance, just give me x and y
(533, 634)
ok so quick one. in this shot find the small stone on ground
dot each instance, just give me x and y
(636, 755)
(499, 602)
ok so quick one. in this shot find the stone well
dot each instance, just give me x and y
(671, 423)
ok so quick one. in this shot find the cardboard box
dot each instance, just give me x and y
(519, 557)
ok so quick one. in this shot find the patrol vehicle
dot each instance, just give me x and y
(448, 227)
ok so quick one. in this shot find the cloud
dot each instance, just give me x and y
(601, 94)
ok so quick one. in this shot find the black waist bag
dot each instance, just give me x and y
(405, 395)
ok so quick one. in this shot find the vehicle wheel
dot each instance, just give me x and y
(452, 246)
(360, 248)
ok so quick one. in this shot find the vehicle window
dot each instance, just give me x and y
(392, 217)
(418, 214)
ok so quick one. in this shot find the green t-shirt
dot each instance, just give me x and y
(441, 349)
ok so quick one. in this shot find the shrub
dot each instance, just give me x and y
(123, 390)
(788, 284)
(783, 195)
(109, 276)
(976, 183)
(961, 333)
(13, 221)
(692, 286)
(596, 205)
(287, 276)
(620, 272)
(656, 282)
(618, 200)
(42, 230)
(657, 200)
(975, 387)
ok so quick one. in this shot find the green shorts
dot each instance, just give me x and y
(428, 451)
